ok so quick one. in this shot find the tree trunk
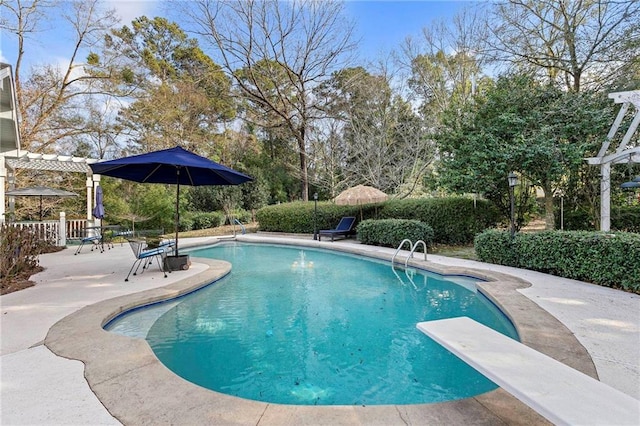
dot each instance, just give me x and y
(304, 176)
(549, 218)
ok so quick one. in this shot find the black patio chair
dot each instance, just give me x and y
(344, 228)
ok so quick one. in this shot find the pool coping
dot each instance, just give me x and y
(136, 388)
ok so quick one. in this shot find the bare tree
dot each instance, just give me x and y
(382, 142)
(445, 63)
(391, 154)
(24, 18)
(51, 99)
(573, 42)
(277, 52)
(328, 156)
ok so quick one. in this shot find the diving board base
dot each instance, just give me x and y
(556, 391)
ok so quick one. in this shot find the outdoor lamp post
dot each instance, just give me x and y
(513, 181)
(315, 215)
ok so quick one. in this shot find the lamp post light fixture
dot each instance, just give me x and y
(513, 181)
(315, 216)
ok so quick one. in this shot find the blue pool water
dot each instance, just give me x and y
(302, 326)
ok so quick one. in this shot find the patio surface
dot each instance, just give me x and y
(591, 328)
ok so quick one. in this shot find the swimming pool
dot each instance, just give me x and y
(303, 326)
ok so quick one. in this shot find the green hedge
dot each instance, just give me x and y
(601, 258)
(391, 232)
(625, 219)
(298, 217)
(454, 220)
(201, 220)
(207, 220)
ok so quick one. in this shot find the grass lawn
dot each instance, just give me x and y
(214, 232)
(461, 252)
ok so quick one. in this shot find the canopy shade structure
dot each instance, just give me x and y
(173, 166)
(40, 191)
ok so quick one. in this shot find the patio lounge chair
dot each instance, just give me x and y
(94, 240)
(98, 240)
(344, 228)
(143, 255)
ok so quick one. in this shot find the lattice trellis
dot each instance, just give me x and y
(59, 164)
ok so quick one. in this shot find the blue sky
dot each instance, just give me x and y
(383, 25)
(380, 25)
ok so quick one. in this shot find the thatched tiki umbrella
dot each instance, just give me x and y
(359, 195)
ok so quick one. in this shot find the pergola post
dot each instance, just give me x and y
(605, 197)
(96, 183)
(3, 177)
(89, 185)
(62, 230)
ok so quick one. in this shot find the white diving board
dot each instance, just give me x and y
(561, 394)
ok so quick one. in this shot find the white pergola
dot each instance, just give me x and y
(627, 151)
(18, 159)
(12, 157)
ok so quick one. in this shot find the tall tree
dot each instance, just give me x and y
(180, 95)
(574, 42)
(445, 63)
(303, 40)
(537, 130)
(438, 80)
(385, 144)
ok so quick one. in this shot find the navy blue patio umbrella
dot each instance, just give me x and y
(98, 210)
(173, 166)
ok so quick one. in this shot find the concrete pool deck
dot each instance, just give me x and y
(76, 294)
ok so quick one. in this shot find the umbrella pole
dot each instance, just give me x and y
(177, 208)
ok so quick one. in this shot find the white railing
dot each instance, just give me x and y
(76, 228)
(57, 231)
(48, 230)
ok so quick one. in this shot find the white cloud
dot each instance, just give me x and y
(128, 10)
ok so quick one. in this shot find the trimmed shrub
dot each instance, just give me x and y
(186, 222)
(606, 259)
(493, 246)
(454, 220)
(391, 232)
(205, 220)
(298, 217)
